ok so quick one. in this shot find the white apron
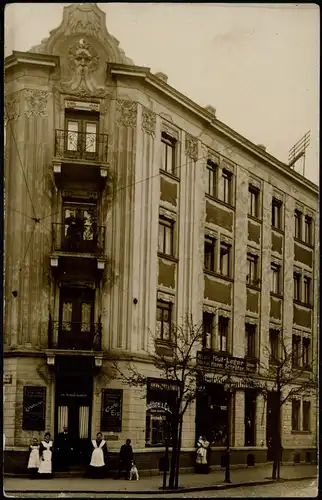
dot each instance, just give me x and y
(33, 462)
(46, 465)
(97, 455)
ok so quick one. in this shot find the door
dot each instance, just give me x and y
(79, 227)
(76, 319)
(81, 137)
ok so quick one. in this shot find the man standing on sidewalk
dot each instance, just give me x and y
(64, 449)
(126, 457)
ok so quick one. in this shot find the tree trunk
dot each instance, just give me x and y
(277, 443)
(176, 484)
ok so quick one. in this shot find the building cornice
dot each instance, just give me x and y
(213, 123)
(44, 60)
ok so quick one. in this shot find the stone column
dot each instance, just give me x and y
(239, 419)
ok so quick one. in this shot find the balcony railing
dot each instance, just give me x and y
(81, 146)
(74, 335)
(79, 238)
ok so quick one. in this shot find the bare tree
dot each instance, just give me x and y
(180, 368)
(287, 377)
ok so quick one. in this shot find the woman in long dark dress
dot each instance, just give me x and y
(99, 457)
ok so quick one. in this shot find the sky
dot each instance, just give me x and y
(257, 64)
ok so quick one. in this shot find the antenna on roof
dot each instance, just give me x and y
(298, 151)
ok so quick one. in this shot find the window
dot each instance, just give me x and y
(168, 153)
(275, 286)
(297, 286)
(207, 330)
(223, 324)
(166, 236)
(250, 340)
(210, 244)
(296, 351)
(212, 173)
(296, 406)
(274, 344)
(225, 259)
(251, 277)
(308, 230)
(253, 199)
(298, 224)
(307, 290)
(277, 214)
(306, 348)
(164, 312)
(227, 184)
(160, 403)
(306, 416)
(72, 135)
(250, 417)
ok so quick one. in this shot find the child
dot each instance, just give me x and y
(134, 474)
(33, 462)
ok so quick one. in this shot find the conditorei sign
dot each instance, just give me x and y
(227, 363)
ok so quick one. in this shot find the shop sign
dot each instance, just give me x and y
(162, 385)
(158, 406)
(229, 363)
(111, 418)
(74, 395)
(34, 408)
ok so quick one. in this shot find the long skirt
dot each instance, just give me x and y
(97, 472)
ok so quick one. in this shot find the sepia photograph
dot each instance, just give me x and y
(161, 250)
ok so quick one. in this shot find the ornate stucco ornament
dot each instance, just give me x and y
(36, 101)
(149, 120)
(12, 106)
(192, 147)
(126, 113)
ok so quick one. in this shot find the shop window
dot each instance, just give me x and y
(210, 247)
(212, 175)
(250, 418)
(164, 313)
(212, 414)
(223, 330)
(166, 232)
(168, 153)
(306, 415)
(161, 398)
(296, 408)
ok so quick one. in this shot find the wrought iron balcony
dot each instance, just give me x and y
(78, 237)
(74, 335)
(81, 146)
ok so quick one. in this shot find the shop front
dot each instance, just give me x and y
(160, 404)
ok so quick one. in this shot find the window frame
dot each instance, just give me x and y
(276, 221)
(166, 223)
(212, 171)
(306, 417)
(209, 317)
(253, 201)
(223, 332)
(228, 247)
(296, 415)
(307, 290)
(308, 230)
(227, 177)
(167, 141)
(252, 259)
(275, 335)
(297, 286)
(164, 306)
(298, 225)
(296, 351)
(276, 270)
(251, 337)
(306, 353)
(210, 243)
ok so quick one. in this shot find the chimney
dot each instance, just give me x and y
(162, 76)
(211, 109)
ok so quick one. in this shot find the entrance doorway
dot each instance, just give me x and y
(73, 408)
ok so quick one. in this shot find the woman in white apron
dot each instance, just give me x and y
(99, 456)
(33, 462)
(45, 454)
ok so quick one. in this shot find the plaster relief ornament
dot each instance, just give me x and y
(12, 106)
(126, 113)
(83, 61)
(149, 120)
(36, 101)
(192, 147)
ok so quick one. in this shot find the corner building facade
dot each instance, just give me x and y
(129, 206)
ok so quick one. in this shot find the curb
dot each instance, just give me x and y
(221, 486)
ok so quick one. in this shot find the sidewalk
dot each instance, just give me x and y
(152, 484)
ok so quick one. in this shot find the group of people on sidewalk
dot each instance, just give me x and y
(41, 456)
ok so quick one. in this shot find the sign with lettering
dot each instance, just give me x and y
(227, 363)
(111, 418)
(34, 408)
(158, 406)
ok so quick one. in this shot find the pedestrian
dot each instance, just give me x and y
(45, 456)
(33, 462)
(64, 449)
(201, 460)
(99, 456)
(126, 458)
